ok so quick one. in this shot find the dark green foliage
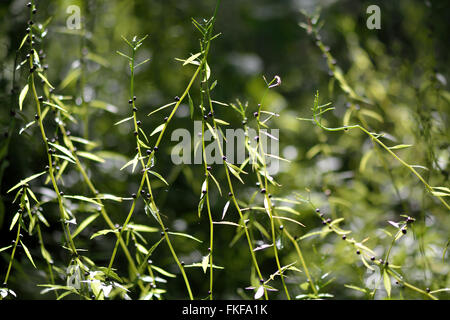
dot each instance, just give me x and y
(93, 207)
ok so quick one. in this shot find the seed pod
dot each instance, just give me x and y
(344, 237)
(177, 98)
(358, 252)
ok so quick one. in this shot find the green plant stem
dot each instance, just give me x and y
(50, 162)
(50, 270)
(146, 179)
(357, 126)
(208, 205)
(267, 199)
(5, 282)
(230, 186)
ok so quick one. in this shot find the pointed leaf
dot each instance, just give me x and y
(158, 129)
(225, 208)
(22, 96)
(23, 182)
(387, 282)
(156, 174)
(27, 252)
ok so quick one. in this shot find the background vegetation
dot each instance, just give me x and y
(391, 81)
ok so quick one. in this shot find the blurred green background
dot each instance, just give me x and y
(402, 69)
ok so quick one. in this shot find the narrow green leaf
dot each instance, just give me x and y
(445, 189)
(22, 96)
(163, 272)
(73, 75)
(23, 182)
(184, 235)
(191, 106)
(23, 41)
(192, 58)
(6, 248)
(83, 198)
(162, 108)
(142, 228)
(46, 255)
(45, 80)
(156, 174)
(387, 282)
(400, 146)
(158, 129)
(225, 209)
(221, 122)
(63, 150)
(200, 206)
(90, 156)
(131, 162)
(123, 120)
(27, 252)
(141, 249)
(85, 223)
(216, 182)
(102, 233)
(124, 55)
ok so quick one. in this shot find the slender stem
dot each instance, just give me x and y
(5, 282)
(211, 222)
(267, 198)
(50, 270)
(230, 186)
